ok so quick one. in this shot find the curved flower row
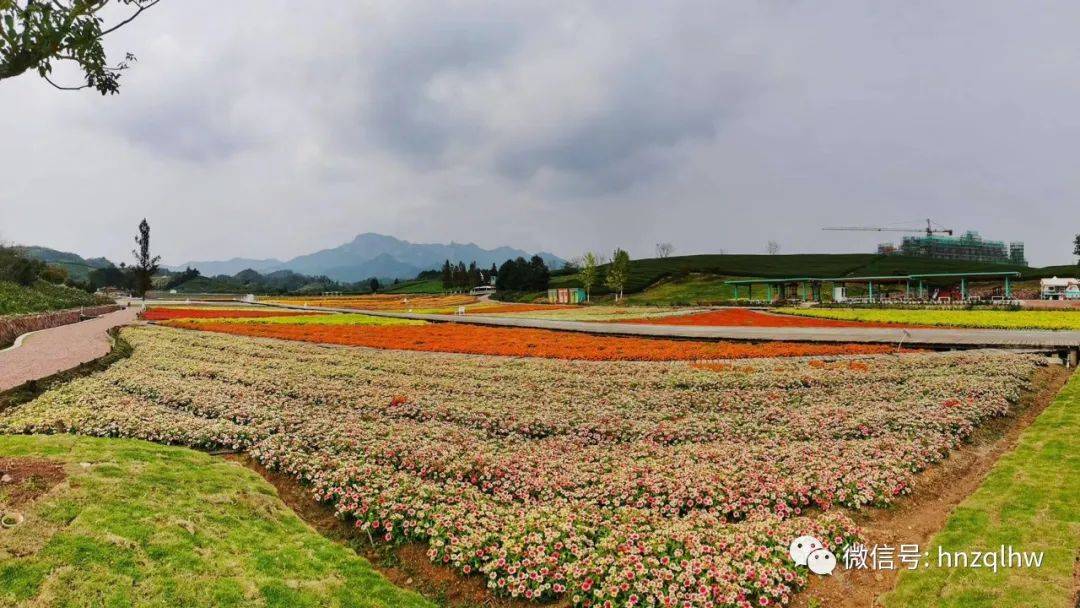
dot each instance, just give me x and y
(379, 301)
(606, 483)
(159, 313)
(519, 342)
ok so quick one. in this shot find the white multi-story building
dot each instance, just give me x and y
(1059, 289)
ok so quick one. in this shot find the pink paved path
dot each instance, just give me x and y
(51, 351)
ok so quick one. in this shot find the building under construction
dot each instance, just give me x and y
(969, 247)
(939, 242)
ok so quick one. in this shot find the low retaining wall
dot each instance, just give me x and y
(1051, 304)
(13, 326)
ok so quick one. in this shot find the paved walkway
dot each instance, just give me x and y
(51, 351)
(932, 338)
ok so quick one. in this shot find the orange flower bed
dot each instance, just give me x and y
(165, 314)
(380, 301)
(742, 317)
(520, 342)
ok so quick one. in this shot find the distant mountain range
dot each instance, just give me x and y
(372, 255)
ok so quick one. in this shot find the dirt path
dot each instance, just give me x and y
(937, 491)
(59, 349)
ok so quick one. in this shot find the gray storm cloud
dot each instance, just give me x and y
(250, 128)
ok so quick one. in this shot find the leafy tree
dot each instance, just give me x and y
(145, 264)
(110, 277)
(1076, 247)
(374, 285)
(507, 278)
(539, 275)
(36, 33)
(664, 250)
(180, 278)
(461, 278)
(589, 272)
(772, 247)
(474, 275)
(55, 274)
(617, 272)
(523, 275)
(18, 268)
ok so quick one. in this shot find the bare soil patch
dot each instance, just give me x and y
(24, 479)
(936, 492)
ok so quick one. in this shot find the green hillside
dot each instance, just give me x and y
(250, 281)
(77, 267)
(646, 272)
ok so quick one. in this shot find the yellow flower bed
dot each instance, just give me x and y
(1001, 319)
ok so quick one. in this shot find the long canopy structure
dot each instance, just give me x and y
(812, 285)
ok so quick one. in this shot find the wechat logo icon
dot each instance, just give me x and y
(808, 551)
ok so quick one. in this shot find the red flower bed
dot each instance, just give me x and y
(742, 317)
(165, 314)
(520, 342)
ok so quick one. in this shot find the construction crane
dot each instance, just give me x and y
(931, 229)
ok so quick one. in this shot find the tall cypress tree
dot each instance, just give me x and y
(461, 276)
(145, 264)
(447, 276)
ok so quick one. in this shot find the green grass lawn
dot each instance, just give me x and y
(41, 296)
(139, 524)
(1031, 501)
(424, 286)
(1003, 319)
(688, 291)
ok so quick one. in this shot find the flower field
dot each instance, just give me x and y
(742, 317)
(302, 319)
(400, 334)
(164, 314)
(996, 319)
(601, 483)
(597, 313)
(379, 302)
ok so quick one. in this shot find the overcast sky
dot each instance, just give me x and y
(267, 128)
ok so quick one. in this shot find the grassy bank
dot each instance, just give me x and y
(1030, 501)
(687, 291)
(139, 524)
(17, 299)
